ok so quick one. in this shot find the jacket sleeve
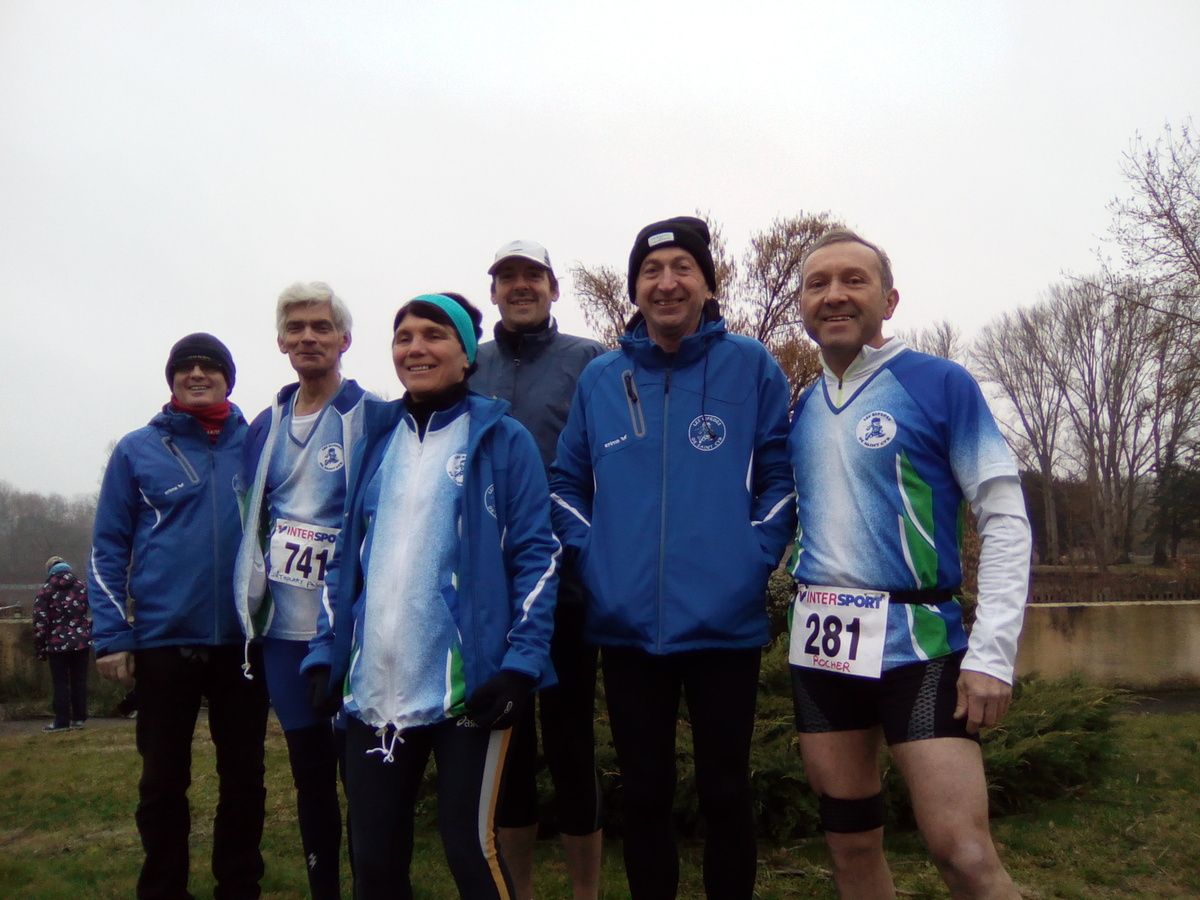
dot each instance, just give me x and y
(773, 507)
(531, 558)
(571, 479)
(112, 553)
(41, 621)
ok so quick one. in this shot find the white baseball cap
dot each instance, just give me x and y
(530, 250)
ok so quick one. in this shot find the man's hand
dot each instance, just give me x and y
(117, 667)
(982, 699)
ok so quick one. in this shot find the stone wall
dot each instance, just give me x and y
(1146, 645)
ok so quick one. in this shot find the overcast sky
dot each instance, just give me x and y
(170, 167)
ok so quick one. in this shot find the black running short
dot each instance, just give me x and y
(911, 703)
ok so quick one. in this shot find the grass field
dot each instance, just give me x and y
(67, 800)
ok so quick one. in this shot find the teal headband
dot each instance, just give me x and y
(462, 322)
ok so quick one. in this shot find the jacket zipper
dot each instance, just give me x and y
(662, 534)
(636, 415)
(180, 458)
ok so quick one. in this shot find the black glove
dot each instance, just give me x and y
(497, 703)
(320, 698)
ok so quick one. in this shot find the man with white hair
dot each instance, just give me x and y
(295, 474)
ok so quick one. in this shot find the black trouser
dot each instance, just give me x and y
(171, 682)
(643, 692)
(567, 714)
(69, 671)
(382, 794)
(313, 755)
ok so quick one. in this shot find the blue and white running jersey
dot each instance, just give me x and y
(881, 476)
(406, 664)
(306, 492)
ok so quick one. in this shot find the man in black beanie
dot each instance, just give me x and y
(166, 531)
(672, 489)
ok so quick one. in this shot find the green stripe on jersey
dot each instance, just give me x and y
(917, 531)
(456, 686)
(929, 631)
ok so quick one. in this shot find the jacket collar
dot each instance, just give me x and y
(532, 343)
(636, 341)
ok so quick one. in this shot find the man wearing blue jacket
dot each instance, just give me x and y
(534, 366)
(672, 488)
(161, 589)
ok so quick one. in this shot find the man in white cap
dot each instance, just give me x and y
(534, 366)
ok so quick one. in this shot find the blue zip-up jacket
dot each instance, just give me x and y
(166, 533)
(672, 484)
(503, 606)
(250, 575)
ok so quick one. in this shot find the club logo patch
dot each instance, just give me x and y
(456, 465)
(331, 458)
(706, 432)
(489, 500)
(876, 429)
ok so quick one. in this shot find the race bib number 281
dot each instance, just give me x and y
(301, 553)
(837, 629)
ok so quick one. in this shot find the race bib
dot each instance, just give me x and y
(301, 553)
(838, 629)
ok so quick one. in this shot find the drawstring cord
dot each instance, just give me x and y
(246, 662)
(386, 747)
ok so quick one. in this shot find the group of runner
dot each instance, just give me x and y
(418, 577)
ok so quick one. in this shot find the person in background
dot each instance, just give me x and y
(166, 533)
(441, 606)
(295, 472)
(534, 366)
(62, 635)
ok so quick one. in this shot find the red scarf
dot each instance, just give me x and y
(211, 418)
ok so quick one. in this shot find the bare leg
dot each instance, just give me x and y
(845, 765)
(583, 852)
(516, 847)
(949, 796)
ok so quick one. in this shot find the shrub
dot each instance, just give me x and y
(1055, 739)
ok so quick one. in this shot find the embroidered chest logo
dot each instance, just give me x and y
(706, 432)
(456, 465)
(331, 458)
(489, 499)
(876, 429)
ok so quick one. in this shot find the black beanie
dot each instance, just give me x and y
(202, 346)
(687, 232)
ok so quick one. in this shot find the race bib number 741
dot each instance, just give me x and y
(837, 629)
(301, 553)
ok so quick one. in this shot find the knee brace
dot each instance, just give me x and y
(851, 816)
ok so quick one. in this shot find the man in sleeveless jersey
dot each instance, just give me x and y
(295, 472)
(888, 448)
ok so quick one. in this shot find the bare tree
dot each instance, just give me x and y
(1100, 358)
(1011, 353)
(1158, 227)
(940, 339)
(604, 299)
(765, 302)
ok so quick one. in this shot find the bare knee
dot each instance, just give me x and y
(852, 851)
(969, 864)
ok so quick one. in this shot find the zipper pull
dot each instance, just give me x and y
(667, 383)
(629, 391)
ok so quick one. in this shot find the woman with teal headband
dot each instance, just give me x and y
(438, 617)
